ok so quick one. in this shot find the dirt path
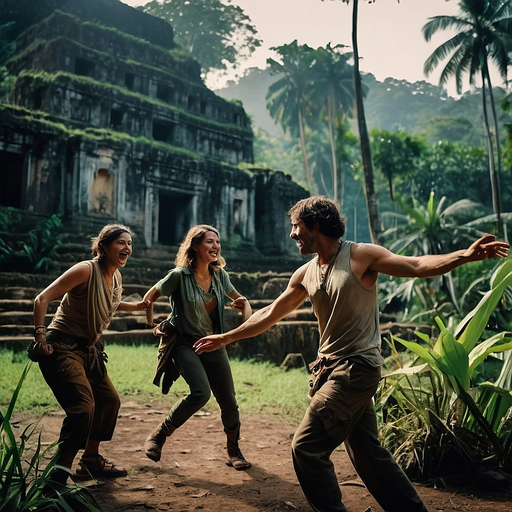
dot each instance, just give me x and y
(192, 474)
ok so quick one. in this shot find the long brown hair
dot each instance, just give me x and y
(106, 236)
(186, 254)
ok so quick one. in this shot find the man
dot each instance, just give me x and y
(341, 283)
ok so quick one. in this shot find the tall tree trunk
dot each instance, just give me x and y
(390, 185)
(364, 140)
(302, 138)
(342, 186)
(497, 173)
(333, 149)
(496, 201)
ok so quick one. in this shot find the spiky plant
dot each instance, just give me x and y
(26, 480)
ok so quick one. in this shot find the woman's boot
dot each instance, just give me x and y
(235, 457)
(155, 441)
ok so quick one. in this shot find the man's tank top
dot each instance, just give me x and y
(347, 311)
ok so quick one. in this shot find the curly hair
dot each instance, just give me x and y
(322, 211)
(106, 236)
(186, 254)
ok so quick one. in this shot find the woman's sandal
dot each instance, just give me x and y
(97, 466)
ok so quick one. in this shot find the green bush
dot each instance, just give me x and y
(42, 245)
(30, 250)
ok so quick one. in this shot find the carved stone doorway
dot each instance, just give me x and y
(102, 193)
(11, 178)
(175, 217)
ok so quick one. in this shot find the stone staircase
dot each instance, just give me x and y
(253, 274)
(249, 274)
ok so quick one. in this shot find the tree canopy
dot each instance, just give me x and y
(219, 35)
(287, 98)
(483, 36)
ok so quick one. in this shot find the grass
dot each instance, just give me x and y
(261, 387)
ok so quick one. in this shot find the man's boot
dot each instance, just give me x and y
(155, 441)
(235, 457)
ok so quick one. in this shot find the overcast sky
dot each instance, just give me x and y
(390, 38)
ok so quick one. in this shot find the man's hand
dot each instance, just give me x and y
(486, 247)
(209, 343)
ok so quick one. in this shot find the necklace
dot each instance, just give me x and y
(325, 270)
(206, 295)
(205, 277)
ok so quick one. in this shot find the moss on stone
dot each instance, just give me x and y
(39, 78)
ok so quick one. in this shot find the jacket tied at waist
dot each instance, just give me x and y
(166, 372)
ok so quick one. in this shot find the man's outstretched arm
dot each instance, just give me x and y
(294, 295)
(373, 258)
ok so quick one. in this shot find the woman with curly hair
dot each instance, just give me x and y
(72, 359)
(197, 289)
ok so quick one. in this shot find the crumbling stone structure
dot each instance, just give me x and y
(109, 121)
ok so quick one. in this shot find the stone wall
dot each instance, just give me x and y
(111, 122)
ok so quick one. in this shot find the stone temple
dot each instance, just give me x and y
(109, 120)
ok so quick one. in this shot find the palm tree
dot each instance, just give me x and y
(483, 36)
(334, 88)
(364, 139)
(287, 98)
(435, 229)
(318, 147)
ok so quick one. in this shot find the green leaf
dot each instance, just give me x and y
(453, 360)
(501, 272)
(472, 327)
(418, 350)
(501, 342)
(494, 402)
(409, 370)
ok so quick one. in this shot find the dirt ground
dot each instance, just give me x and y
(192, 474)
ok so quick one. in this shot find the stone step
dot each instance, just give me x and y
(18, 292)
(297, 337)
(273, 345)
(131, 337)
(24, 305)
(14, 293)
(24, 280)
(20, 318)
(141, 279)
(22, 323)
(20, 311)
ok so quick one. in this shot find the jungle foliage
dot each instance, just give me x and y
(24, 248)
(436, 227)
(26, 474)
(442, 408)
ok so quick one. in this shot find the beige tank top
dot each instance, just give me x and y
(347, 311)
(89, 314)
